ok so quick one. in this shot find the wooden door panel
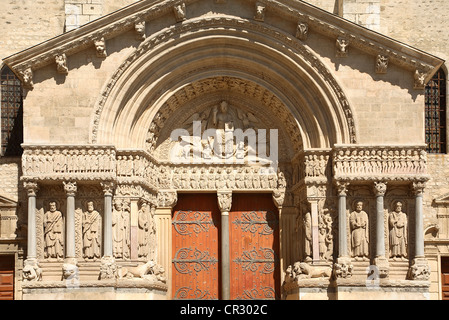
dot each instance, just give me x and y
(195, 228)
(254, 247)
(445, 278)
(6, 277)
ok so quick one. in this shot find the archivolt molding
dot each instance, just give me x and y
(340, 114)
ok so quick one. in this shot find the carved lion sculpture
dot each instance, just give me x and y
(32, 273)
(302, 270)
(149, 270)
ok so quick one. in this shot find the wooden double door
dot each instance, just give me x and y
(253, 238)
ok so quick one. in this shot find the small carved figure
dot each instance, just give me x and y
(100, 47)
(53, 228)
(32, 273)
(359, 231)
(381, 64)
(150, 271)
(398, 232)
(91, 232)
(61, 63)
(180, 12)
(342, 47)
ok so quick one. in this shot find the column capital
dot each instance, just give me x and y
(224, 200)
(380, 188)
(167, 198)
(31, 187)
(342, 187)
(418, 187)
(70, 188)
(108, 187)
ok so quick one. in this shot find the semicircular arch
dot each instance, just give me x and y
(182, 57)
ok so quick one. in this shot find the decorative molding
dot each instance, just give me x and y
(123, 20)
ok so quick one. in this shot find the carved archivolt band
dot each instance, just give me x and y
(197, 29)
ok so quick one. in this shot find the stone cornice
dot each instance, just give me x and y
(318, 20)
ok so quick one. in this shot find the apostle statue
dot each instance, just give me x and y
(143, 225)
(91, 232)
(398, 232)
(120, 230)
(359, 231)
(53, 233)
(307, 236)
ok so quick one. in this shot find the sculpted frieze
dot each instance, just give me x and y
(372, 163)
(55, 162)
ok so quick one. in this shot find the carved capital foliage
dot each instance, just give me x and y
(342, 188)
(380, 188)
(167, 198)
(31, 188)
(108, 187)
(224, 200)
(418, 187)
(70, 188)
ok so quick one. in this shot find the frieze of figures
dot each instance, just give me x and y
(61, 162)
(374, 162)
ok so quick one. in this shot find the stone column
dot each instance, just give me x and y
(31, 188)
(224, 203)
(108, 269)
(419, 269)
(315, 232)
(165, 202)
(70, 189)
(380, 260)
(343, 267)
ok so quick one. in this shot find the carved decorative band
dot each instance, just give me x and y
(379, 162)
(68, 162)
